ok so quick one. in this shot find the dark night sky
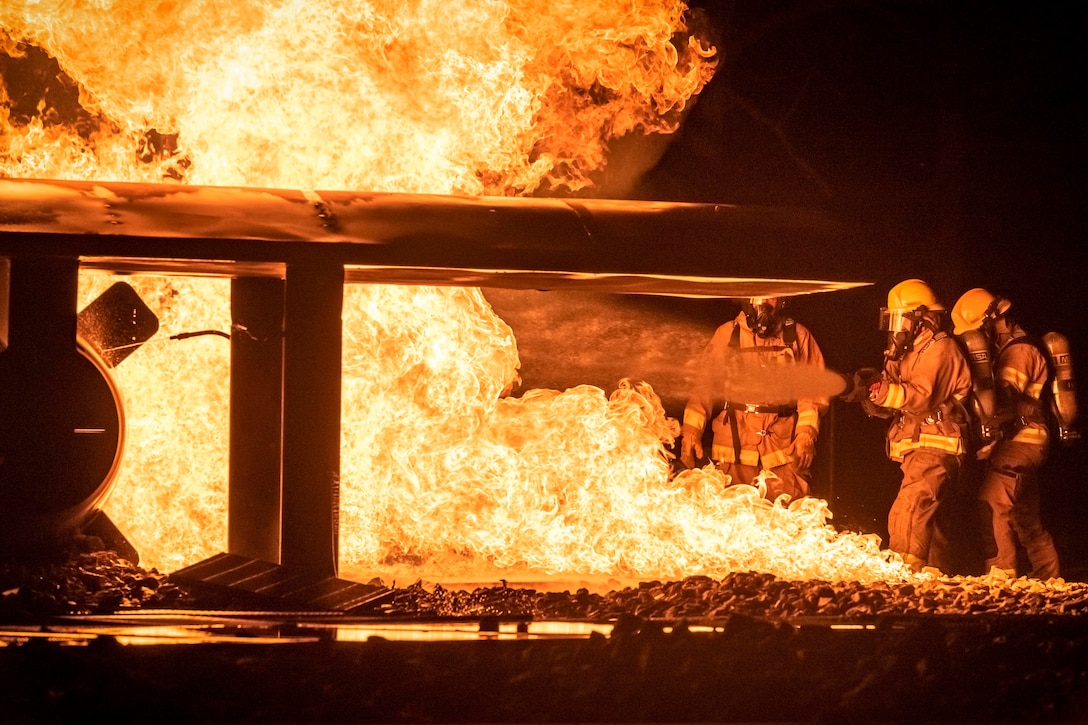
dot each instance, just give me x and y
(948, 139)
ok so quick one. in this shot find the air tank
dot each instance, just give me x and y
(1063, 385)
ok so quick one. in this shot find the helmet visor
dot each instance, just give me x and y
(896, 320)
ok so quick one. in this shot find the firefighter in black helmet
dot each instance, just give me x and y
(773, 441)
(1009, 492)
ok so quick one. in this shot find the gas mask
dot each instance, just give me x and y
(762, 315)
(996, 309)
(902, 327)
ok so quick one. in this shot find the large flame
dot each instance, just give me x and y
(442, 469)
(474, 97)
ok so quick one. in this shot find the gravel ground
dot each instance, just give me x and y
(955, 650)
(926, 669)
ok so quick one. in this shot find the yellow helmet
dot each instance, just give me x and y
(911, 307)
(911, 294)
(974, 307)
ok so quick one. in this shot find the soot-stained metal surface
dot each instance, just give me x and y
(643, 247)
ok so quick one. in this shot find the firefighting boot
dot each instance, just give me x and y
(916, 563)
(998, 572)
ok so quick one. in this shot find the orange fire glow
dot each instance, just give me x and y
(443, 472)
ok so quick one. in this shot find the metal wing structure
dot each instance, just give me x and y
(644, 247)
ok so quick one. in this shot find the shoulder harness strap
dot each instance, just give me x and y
(734, 338)
(789, 335)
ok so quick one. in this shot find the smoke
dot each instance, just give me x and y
(571, 338)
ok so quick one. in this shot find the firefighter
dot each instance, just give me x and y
(1009, 493)
(921, 390)
(764, 439)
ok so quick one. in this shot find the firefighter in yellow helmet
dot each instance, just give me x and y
(771, 440)
(1009, 492)
(921, 388)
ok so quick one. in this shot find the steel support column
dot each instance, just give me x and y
(39, 395)
(311, 416)
(256, 417)
(42, 296)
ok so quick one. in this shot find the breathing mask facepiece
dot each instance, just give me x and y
(902, 327)
(994, 311)
(763, 315)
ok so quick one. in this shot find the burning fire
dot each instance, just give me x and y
(443, 470)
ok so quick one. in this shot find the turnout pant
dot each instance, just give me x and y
(1010, 494)
(914, 513)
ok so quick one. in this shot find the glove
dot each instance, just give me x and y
(691, 447)
(804, 447)
(866, 382)
(861, 385)
(865, 379)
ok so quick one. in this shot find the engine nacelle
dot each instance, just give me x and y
(57, 463)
